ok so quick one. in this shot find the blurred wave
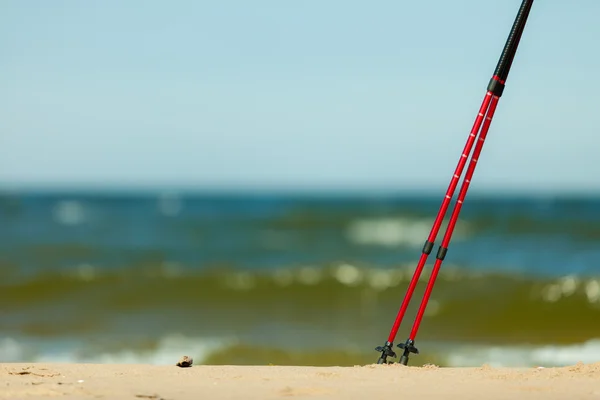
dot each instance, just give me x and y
(216, 351)
(465, 305)
(292, 279)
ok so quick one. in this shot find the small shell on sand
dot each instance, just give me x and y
(185, 361)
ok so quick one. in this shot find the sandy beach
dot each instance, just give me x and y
(82, 381)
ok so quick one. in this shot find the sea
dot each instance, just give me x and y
(294, 278)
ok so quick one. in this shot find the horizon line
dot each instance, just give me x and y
(297, 190)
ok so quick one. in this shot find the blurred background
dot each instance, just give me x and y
(252, 182)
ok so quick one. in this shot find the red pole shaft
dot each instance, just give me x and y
(455, 213)
(440, 216)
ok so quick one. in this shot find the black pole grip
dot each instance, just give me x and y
(496, 85)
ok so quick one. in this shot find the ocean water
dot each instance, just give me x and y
(294, 279)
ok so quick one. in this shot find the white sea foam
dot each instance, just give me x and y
(348, 275)
(172, 347)
(390, 232)
(11, 350)
(166, 352)
(525, 356)
(69, 212)
(170, 204)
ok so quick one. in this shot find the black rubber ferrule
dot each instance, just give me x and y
(441, 254)
(512, 42)
(427, 247)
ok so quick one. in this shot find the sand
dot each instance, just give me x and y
(91, 381)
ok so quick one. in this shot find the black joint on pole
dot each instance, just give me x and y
(495, 87)
(386, 351)
(427, 247)
(408, 347)
(441, 254)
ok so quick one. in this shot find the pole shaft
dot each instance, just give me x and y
(440, 216)
(454, 218)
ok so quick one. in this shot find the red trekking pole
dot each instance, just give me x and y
(482, 122)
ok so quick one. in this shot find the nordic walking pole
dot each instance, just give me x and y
(495, 88)
(409, 346)
(386, 350)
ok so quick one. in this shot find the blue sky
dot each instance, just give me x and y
(294, 95)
